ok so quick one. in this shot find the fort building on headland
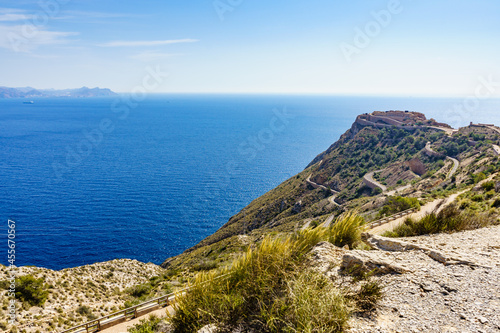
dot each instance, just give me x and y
(407, 120)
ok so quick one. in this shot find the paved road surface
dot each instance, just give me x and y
(369, 177)
(448, 131)
(496, 149)
(315, 185)
(456, 164)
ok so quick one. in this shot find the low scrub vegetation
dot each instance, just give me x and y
(155, 287)
(450, 219)
(86, 311)
(270, 289)
(31, 291)
(147, 326)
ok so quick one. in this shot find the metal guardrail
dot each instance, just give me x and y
(123, 315)
(388, 219)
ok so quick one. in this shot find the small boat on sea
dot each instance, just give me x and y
(28, 102)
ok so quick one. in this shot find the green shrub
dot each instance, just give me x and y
(146, 326)
(450, 219)
(84, 311)
(496, 203)
(488, 186)
(479, 177)
(31, 291)
(140, 290)
(4, 284)
(314, 224)
(398, 204)
(269, 289)
(205, 266)
(477, 198)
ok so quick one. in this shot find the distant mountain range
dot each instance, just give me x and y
(28, 92)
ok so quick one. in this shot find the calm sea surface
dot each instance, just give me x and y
(90, 180)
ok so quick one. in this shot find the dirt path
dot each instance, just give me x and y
(122, 328)
(424, 210)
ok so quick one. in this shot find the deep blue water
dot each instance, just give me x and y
(87, 182)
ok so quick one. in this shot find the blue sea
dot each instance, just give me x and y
(90, 180)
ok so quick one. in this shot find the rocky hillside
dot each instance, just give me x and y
(403, 152)
(75, 295)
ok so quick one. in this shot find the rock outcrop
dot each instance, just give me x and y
(438, 283)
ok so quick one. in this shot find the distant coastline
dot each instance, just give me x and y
(29, 92)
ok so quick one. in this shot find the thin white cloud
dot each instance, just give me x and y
(85, 15)
(147, 56)
(4, 10)
(26, 38)
(147, 42)
(13, 17)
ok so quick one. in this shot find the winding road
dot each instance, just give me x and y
(368, 178)
(330, 198)
(456, 163)
(448, 131)
(372, 182)
(496, 149)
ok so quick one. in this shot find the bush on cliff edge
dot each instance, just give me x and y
(270, 289)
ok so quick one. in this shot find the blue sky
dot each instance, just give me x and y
(414, 48)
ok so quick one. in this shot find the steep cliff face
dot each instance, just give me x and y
(333, 181)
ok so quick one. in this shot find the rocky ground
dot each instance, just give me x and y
(100, 287)
(438, 283)
(433, 283)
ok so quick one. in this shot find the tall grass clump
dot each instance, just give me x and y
(450, 219)
(270, 289)
(346, 230)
